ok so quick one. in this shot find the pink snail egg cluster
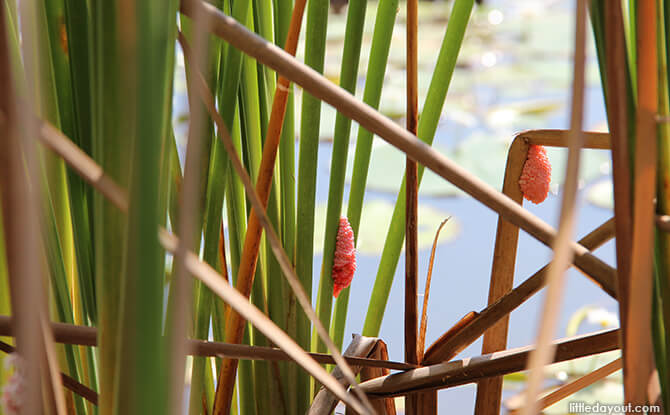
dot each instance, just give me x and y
(536, 175)
(344, 261)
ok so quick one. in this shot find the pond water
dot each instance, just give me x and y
(514, 73)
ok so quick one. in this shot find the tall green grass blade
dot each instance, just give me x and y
(245, 382)
(430, 116)
(76, 239)
(78, 21)
(142, 373)
(381, 43)
(276, 286)
(60, 288)
(379, 51)
(315, 48)
(348, 76)
(113, 129)
(297, 324)
(253, 145)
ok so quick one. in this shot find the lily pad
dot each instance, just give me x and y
(594, 165)
(584, 365)
(604, 393)
(601, 194)
(375, 221)
(511, 113)
(484, 157)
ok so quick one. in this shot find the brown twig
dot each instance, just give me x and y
(559, 138)
(68, 381)
(509, 302)
(19, 196)
(638, 350)
(87, 336)
(435, 353)
(460, 372)
(324, 402)
(502, 277)
(616, 79)
(426, 293)
(411, 204)
(382, 406)
(578, 384)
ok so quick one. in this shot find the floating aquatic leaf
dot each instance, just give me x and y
(604, 392)
(484, 157)
(584, 365)
(594, 164)
(601, 194)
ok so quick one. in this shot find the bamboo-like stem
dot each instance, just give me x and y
(621, 169)
(561, 245)
(511, 301)
(638, 350)
(502, 277)
(385, 128)
(411, 205)
(460, 372)
(234, 328)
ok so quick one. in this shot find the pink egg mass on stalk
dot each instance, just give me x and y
(536, 175)
(344, 260)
